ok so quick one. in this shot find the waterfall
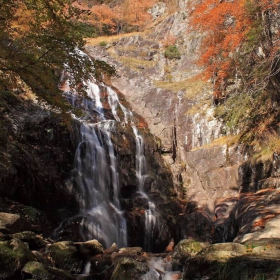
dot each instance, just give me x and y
(151, 215)
(95, 175)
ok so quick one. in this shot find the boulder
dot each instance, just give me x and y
(12, 223)
(185, 249)
(222, 251)
(34, 241)
(14, 254)
(89, 248)
(127, 268)
(39, 271)
(133, 252)
(65, 256)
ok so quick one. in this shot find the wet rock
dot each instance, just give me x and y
(185, 249)
(127, 268)
(65, 256)
(134, 252)
(14, 254)
(89, 248)
(112, 249)
(12, 223)
(101, 265)
(36, 270)
(34, 241)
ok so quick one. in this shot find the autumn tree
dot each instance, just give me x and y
(230, 28)
(241, 45)
(133, 13)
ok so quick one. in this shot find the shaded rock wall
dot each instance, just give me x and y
(37, 159)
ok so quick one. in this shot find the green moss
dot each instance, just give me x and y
(172, 52)
(13, 256)
(37, 270)
(103, 44)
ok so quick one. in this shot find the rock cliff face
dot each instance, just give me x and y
(37, 161)
(200, 150)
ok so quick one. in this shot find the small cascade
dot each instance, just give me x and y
(151, 216)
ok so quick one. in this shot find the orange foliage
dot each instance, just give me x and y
(103, 15)
(134, 12)
(225, 24)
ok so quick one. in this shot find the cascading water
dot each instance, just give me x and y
(95, 174)
(151, 216)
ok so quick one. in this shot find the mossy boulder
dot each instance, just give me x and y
(14, 254)
(34, 241)
(65, 256)
(222, 251)
(185, 249)
(127, 268)
(38, 271)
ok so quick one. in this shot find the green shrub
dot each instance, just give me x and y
(172, 52)
(103, 44)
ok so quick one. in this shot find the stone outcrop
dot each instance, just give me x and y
(209, 168)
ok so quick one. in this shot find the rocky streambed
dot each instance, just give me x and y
(25, 254)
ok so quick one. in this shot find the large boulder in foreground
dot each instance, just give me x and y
(38, 271)
(235, 261)
(14, 254)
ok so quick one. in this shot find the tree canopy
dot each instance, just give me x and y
(38, 39)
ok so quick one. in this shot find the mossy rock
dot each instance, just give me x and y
(14, 254)
(65, 256)
(36, 271)
(222, 251)
(39, 271)
(34, 241)
(128, 268)
(185, 249)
